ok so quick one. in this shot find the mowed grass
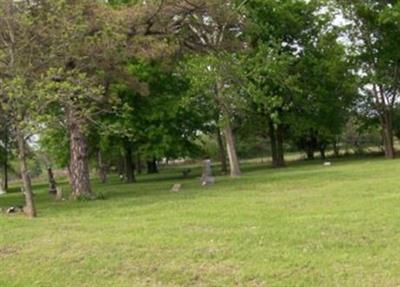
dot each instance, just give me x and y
(305, 225)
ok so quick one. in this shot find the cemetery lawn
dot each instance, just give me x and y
(305, 225)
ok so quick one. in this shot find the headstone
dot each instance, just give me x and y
(15, 209)
(207, 178)
(176, 187)
(327, 163)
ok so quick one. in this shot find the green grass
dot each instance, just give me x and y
(305, 225)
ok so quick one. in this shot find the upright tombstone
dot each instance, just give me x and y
(207, 178)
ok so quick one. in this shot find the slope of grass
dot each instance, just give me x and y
(305, 225)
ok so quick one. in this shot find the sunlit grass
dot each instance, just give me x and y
(305, 225)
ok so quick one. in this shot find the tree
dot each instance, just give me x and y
(374, 32)
(22, 58)
(215, 29)
(278, 35)
(328, 94)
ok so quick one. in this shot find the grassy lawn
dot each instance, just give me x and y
(305, 225)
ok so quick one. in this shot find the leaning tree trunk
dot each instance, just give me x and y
(29, 208)
(222, 154)
(231, 150)
(387, 134)
(79, 161)
(129, 164)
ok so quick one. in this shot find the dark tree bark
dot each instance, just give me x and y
(129, 164)
(322, 152)
(29, 208)
(222, 153)
(52, 182)
(280, 149)
(386, 120)
(277, 150)
(79, 161)
(152, 166)
(121, 165)
(310, 152)
(139, 167)
(311, 145)
(336, 150)
(272, 138)
(102, 167)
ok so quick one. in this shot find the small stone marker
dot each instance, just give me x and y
(176, 187)
(327, 163)
(207, 178)
(15, 209)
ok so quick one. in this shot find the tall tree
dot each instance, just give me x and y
(215, 29)
(374, 31)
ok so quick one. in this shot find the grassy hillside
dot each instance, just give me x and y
(305, 225)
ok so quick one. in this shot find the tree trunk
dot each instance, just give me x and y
(152, 166)
(311, 145)
(387, 133)
(79, 163)
(6, 138)
(227, 131)
(231, 150)
(129, 164)
(139, 164)
(272, 138)
(279, 147)
(336, 150)
(310, 152)
(121, 165)
(2, 191)
(52, 182)
(29, 208)
(101, 167)
(222, 154)
(322, 152)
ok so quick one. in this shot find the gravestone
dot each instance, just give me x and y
(207, 178)
(176, 187)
